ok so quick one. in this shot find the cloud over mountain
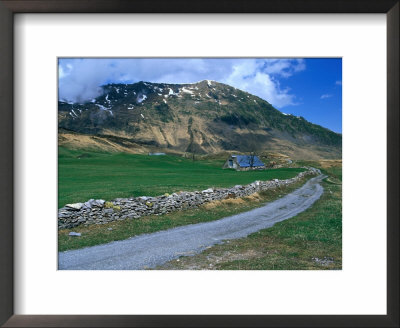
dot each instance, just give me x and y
(80, 79)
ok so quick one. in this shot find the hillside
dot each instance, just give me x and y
(203, 118)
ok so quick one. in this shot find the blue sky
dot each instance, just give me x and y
(310, 87)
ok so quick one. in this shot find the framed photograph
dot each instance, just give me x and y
(181, 163)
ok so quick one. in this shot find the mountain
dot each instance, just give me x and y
(202, 118)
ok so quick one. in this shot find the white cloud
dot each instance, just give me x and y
(248, 76)
(80, 79)
(284, 67)
(65, 70)
(326, 96)
(61, 72)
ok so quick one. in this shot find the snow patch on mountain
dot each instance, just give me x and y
(187, 91)
(105, 109)
(141, 98)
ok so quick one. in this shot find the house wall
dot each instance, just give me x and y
(226, 165)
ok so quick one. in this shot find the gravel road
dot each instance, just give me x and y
(150, 250)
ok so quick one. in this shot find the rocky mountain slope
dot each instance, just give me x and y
(202, 118)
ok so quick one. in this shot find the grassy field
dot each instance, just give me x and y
(120, 230)
(85, 175)
(311, 240)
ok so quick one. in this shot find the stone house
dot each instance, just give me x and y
(244, 162)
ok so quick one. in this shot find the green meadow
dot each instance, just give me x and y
(83, 175)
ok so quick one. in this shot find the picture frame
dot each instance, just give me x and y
(10, 7)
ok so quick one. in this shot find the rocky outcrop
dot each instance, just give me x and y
(100, 212)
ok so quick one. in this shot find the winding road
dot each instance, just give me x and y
(150, 250)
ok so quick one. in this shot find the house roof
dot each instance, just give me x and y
(245, 160)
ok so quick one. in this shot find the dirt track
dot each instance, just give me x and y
(150, 250)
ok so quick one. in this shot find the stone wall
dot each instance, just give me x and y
(100, 212)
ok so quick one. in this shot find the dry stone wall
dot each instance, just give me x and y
(100, 212)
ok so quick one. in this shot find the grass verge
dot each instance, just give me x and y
(119, 230)
(311, 240)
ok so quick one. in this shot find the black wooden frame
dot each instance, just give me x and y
(7, 10)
